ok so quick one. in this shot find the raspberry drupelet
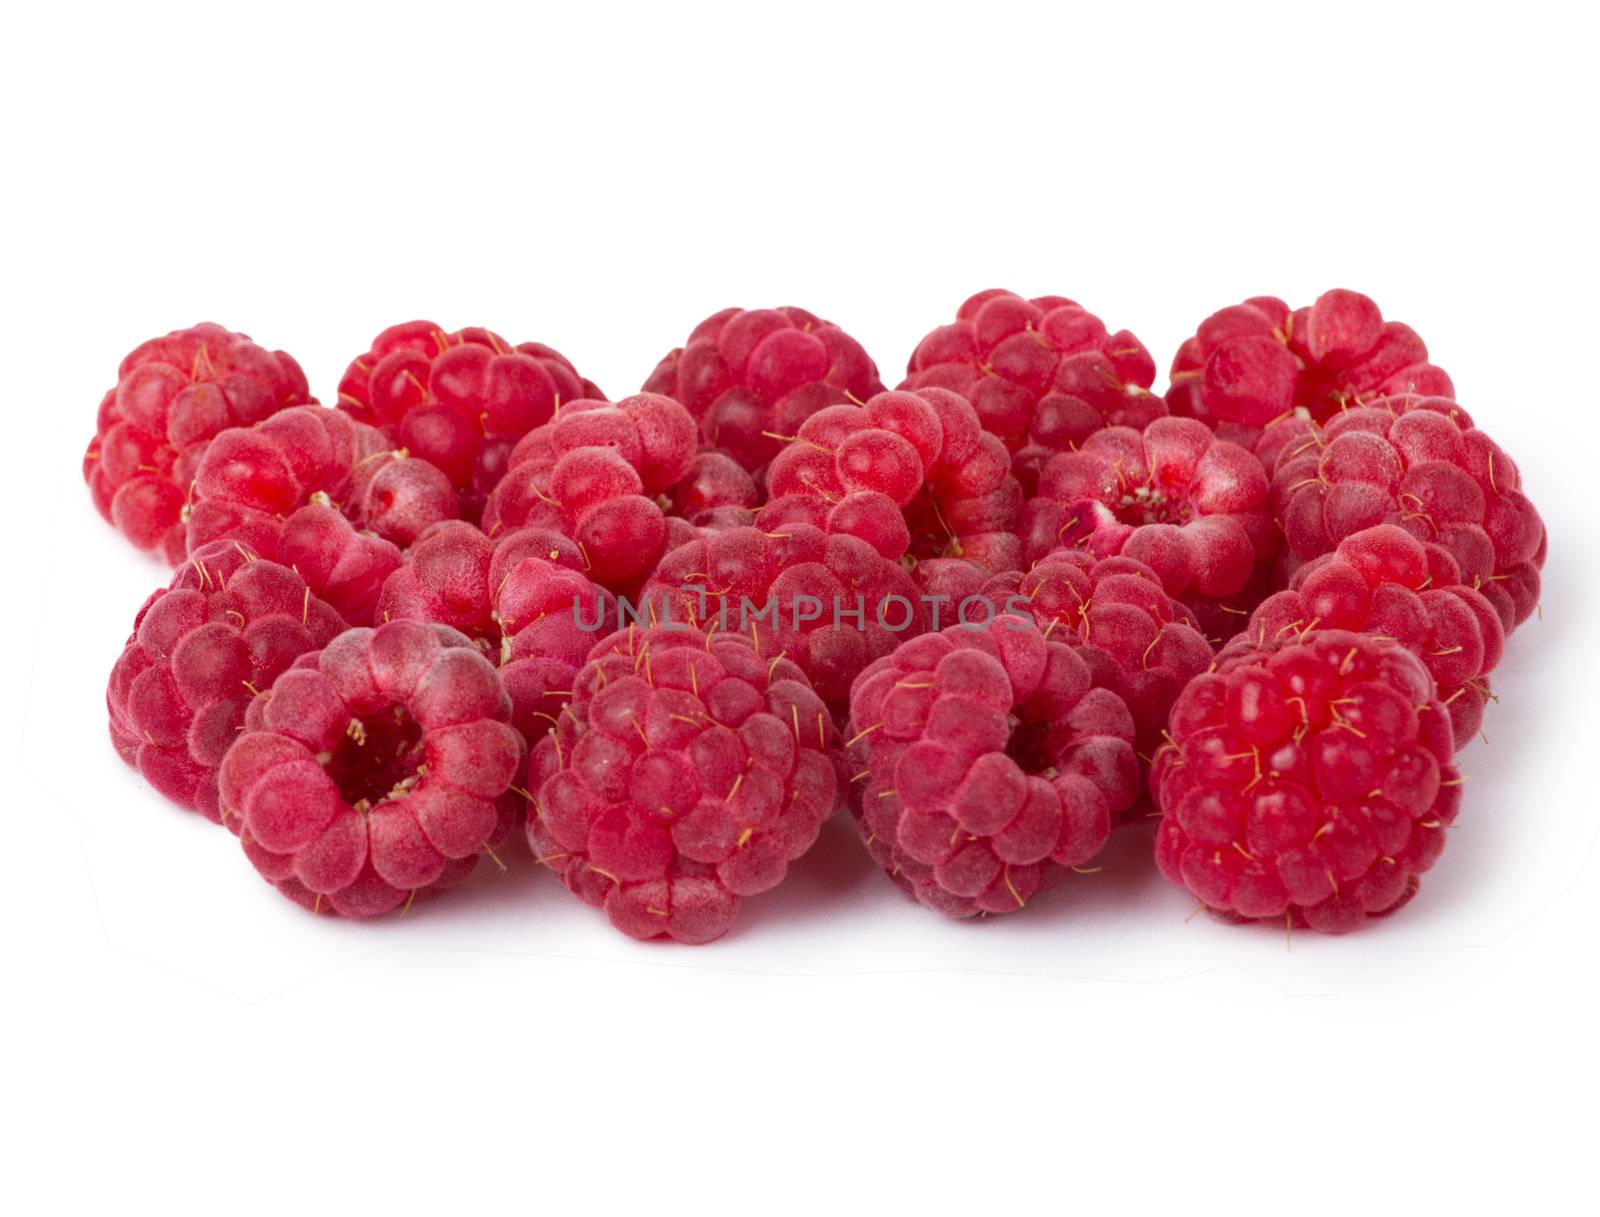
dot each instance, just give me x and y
(1307, 782)
(988, 763)
(458, 400)
(1043, 374)
(1383, 581)
(1254, 362)
(173, 395)
(375, 769)
(200, 650)
(908, 472)
(1421, 464)
(752, 376)
(689, 772)
(599, 472)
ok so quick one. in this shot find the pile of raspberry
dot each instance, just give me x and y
(1018, 605)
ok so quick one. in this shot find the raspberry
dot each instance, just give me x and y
(1192, 507)
(1138, 642)
(522, 599)
(1385, 582)
(252, 477)
(342, 566)
(590, 473)
(828, 602)
(690, 772)
(174, 394)
(375, 769)
(1043, 374)
(459, 401)
(909, 471)
(1256, 361)
(200, 650)
(990, 764)
(1421, 464)
(752, 376)
(1307, 782)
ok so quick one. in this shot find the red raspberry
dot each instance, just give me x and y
(752, 376)
(990, 765)
(1385, 582)
(459, 401)
(1138, 642)
(1193, 508)
(690, 772)
(591, 473)
(253, 477)
(1043, 374)
(783, 589)
(1256, 361)
(908, 471)
(344, 567)
(172, 396)
(1307, 781)
(216, 637)
(1421, 464)
(375, 769)
(521, 598)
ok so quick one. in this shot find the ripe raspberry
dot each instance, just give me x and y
(1383, 581)
(173, 394)
(521, 598)
(1043, 374)
(251, 478)
(1307, 781)
(1193, 508)
(1138, 642)
(827, 602)
(750, 376)
(459, 401)
(1256, 361)
(690, 772)
(1421, 464)
(990, 765)
(216, 637)
(377, 768)
(590, 472)
(908, 471)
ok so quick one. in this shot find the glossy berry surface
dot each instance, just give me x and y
(752, 376)
(987, 763)
(374, 770)
(173, 396)
(460, 400)
(200, 651)
(688, 774)
(1308, 782)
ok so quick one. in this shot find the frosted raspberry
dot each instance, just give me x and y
(523, 600)
(690, 772)
(750, 376)
(830, 603)
(1137, 640)
(1043, 374)
(1383, 581)
(173, 395)
(594, 473)
(200, 650)
(252, 478)
(989, 764)
(1421, 464)
(1192, 507)
(377, 769)
(459, 400)
(1256, 361)
(908, 472)
(1307, 781)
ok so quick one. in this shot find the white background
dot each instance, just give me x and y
(600, 180)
